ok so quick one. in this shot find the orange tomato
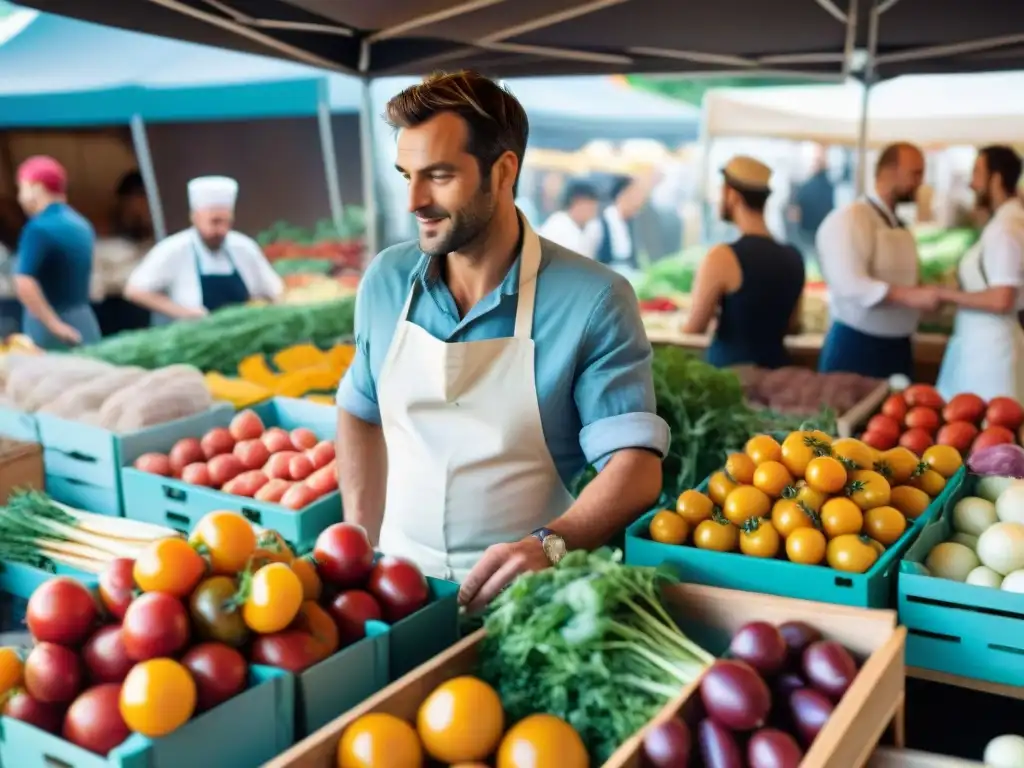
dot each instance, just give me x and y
(694, 507)
(758, 538)
(840, 516)
(12, 670)
(379, 740)
(227, 539)
(170, 566)
(542, 741)
(929, 481)
(884, 524)
(944, 459)
(909, 500)
(315, 621)
(461, 721)
(719, 487)
(669, 528)
(853, 453)
(740, 467)
(745, 502)
(851, 553)
(788, 515)
(273, 598)
(762, 448)
(271, 548)
(716, 534)
(157, 697)
(868, 489)
(806, 546)
(772, 477)
(305, 569)
(897, 465)
(826, 474)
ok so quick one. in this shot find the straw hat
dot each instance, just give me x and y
(747, 173)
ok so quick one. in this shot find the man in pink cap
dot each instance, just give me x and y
(54, 260)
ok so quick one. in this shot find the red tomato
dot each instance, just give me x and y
(1004, 412)
(154, 463)
(47, 717)
(399, 586)
(343, 555)
(277, 440)
(924, 395)
(197, 473)
(94, 719)
(895, 407)
(917, 440)
(959, 434)
(964, 407)
(350, 611)
(885, 425)
(106, 659)
(61, 611)
(992, 436)
(117, 586)
(252, 453)
(155, 624)
(224, 468)
(300, 467)
(186, 451)
(321, 454)
(246, 425)
(217, 442)
(924, 418)
(881, 441)
(53, 674)
(303, 439)
(291, 649)
(219, 671)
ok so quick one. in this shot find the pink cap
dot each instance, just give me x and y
(46, 171)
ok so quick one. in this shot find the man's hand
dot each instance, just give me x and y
(66, 333)
(500, 564)
(192, 313)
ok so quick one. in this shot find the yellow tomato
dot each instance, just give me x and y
(227, 539)
(762, 448)
(823, 439)
(462, 720)
(929, 481)
(694, 507)
(745, 502)
(772, 477)
(716, 534)
(944, 459)
(853, 453)
(868, 489)
(851, 553)
(826, 474)
(911, 501)
(797, 451)
(542, 741)
(806, 546)
(840, 516)
(157, 697)
(758, 538)
(379, 740)
(12, 670)
(788, 516)
(719, 486)
(884, 524)
(740, 468)
(274, 596)
(810, 497)
(305, 569)
(168, 565)
(669, 528)
(898, 464)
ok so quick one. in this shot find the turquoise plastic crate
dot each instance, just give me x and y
(421, 636)
(243, 732)
(958, 628)
(22, 580)
(873, 589)
(18, 426)
(83, 462)
(176, 504)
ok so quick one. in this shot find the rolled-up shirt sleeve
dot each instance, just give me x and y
(614, 389)
(845, 243)
(155, 273)
(1003, 257)
(31, 251)
(357, 393)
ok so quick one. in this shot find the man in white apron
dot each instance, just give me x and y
(492, 366)
(985, 354)
(869, 261)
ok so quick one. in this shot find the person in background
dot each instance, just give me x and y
(208, 266)
(567, 226)
(54, 260)
(132, 219)
(814, 200)
(870, 264)
(613, 229)
(755, 282)
(985, 354)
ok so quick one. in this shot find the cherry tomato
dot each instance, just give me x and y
(106, 659)
(94, 721)
(740, 467)
(719, 487)
(22, 706)
(884, 524)
(851, 553)
(853, 453)
(884, 425)
(716, 534)
(958, 435)
(117, 586)
(758, 538)
(929, 481)
(12, 670)
(826, 474)
(399, 587)
(61, 611)
(772, 477)
(898, 465)
(380, 740)
(797, 451)
(923, 395)
(694, 507)
(343, 555)
(305, 569)
(271, 548)
(158, 697)
(943, 459)
(155, 624)
(227, 539)
(912, 502)
(273, 597)
(880, 441)
(170, 566)
(806, 545)
(762, 448)
(542, 741)
(868, 489)
(292, 650)
(840, 515)
(745, 502)
(219, 672)
(895, 407)
(917, 440)
(461, 721)
(788, 515)
(215, 614)
(923, 418)
(667, 527)
(53, 673)
(1004, 412)
(320, 625)
(964, 407)
(351, 610)
(990, 436)
(810, 497)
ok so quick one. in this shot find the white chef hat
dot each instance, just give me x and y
(212, 192)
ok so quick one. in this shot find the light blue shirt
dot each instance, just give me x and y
(593, 359)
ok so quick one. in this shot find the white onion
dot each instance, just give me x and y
(1005, 752)
(1010, 504)
(1014, 581)
(949, 560)
(973, 515)
(1001, 547)
(983, 576)
(969, 541)
(990, 486)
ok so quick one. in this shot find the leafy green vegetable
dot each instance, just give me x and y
(303, 266)
(590, 642)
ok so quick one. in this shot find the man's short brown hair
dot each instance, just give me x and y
(890, 155)
(495, 119)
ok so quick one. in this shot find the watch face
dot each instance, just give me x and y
(554, 548)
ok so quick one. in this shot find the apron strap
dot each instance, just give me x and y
(529, 266)
(408, 302)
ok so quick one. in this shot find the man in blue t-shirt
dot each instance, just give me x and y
(54, 260)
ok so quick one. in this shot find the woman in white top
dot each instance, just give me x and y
(207, 266)
(985, 354)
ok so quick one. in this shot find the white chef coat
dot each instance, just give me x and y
(561, 229)
(863, 249)
(170, 268)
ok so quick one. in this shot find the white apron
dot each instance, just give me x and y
(468, 465)
(985, 354)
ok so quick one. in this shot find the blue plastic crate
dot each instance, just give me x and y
(961, 629)
(176, 504)
(243, 732)
(873, 589)
(83, 462)
(16, 425)
(426, 633)
(21, 580)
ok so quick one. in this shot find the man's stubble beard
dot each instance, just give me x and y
(468, 225)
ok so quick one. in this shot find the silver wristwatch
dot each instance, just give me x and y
(553, 544)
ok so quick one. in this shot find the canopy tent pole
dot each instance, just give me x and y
(705, 140)
(323, 119)
(368, 156)
(869, 83)
(141, 143)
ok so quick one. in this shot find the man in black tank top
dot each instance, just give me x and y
(754, 284)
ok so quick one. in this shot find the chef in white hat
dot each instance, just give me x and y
(207, 266)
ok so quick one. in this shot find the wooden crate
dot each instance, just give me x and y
(21, 467)
(873, 702)
(850, 422)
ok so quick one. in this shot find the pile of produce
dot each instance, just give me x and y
(221, 341)
(918, 417)
(339, 244)
(810, 499)
(763, 706)
(987, 543)
(292, 469)
(801, 390)
(19, 343)
(121, 399)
